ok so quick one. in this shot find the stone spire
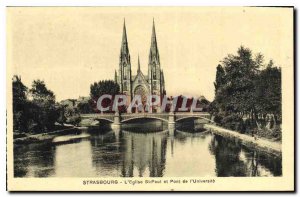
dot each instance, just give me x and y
(162, 77)
(124, 45)
(124, 75)
(116, 76)
(153, 55)
(139, 65)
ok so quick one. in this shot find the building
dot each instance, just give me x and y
(140, 84)
(70, 103)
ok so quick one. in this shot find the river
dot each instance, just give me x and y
(143, 150)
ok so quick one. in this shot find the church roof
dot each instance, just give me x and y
(144, 78)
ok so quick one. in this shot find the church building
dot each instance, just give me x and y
(140, 84)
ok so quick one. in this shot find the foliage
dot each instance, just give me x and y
(40, 92)
(246, 89)
(100, 88)
(270, 133)
(19, 105)
(104, 87)
(61, 114)
(43, 106)
(268, 90)
(218, 119)
(34, 110)
(232, 121)
(220, 78)
(85, 107)
(72, 116)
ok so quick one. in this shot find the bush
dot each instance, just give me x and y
(274, 133)
(218, 119)
(233, 122)
(72, 116)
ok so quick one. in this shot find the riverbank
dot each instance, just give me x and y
(41, 137)
(263, 144)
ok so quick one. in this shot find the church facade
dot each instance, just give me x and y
(141, 84)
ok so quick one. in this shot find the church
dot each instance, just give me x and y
(140, 84)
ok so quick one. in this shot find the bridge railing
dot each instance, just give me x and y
(145, 114)
(97, 114)
(163, 116)
(192, 113)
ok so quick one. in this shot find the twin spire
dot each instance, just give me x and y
(153, 54)
(124, 46)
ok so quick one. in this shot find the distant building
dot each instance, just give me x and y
(82, 99)
(71, 103)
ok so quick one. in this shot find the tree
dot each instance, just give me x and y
(44, 110)
(19, 105)
(61, 114)
(268, 90)
(100, 88)
(72, 116)
(39, 92)
(220, 77)
(244, 90)
(85, 107)
(238, 89)
(104, 87)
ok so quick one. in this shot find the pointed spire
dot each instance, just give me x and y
(116, 76)
(153, 37)
(124, 37)
(124, 45)
(162, 76)
(154, 55)
(139, 65)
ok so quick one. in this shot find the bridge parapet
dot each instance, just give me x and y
(160, 116)
(202, 115)
(171, 118)
(167, 117)
(109, 117)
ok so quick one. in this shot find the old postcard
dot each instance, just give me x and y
(150, 99)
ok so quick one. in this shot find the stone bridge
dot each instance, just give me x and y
(171, 118)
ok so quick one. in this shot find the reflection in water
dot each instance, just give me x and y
(136, 153)
(233, 159)
(144, 154)
(107, 154)
(28, 158)
(74, 160)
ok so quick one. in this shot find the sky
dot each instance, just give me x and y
(70, 48)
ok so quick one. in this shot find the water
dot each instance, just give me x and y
(134, 153)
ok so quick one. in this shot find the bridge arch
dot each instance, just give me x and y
(194, 117)
(136, 118)
(105, 119)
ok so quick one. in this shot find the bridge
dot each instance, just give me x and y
(170, 118)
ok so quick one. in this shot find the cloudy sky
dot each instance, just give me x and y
(70, 48)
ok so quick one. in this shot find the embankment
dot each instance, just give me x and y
(261, 144)
(46, 136)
